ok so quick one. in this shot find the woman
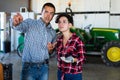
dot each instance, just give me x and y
(70, 50)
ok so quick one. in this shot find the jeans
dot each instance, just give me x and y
(34, 72)
(69, 76)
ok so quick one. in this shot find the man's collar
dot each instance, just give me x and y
(47, 26)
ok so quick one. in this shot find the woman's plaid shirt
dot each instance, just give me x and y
(75, 48)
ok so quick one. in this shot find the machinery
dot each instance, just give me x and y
(4, 34)
(101, 41)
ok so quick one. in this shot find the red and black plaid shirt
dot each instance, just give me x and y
(75, 48)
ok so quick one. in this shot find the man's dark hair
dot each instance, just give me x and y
(70, 18)
(48, 4)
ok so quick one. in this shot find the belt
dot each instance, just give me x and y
(37, 63)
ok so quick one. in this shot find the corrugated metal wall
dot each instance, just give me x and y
(99, 13)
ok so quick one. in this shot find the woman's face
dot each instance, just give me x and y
(63, 24)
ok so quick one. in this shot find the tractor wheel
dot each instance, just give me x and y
(111, 53)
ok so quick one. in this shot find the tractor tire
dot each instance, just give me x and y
(111, 53)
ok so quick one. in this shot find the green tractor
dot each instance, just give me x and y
(101, 41)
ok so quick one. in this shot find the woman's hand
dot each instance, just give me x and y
(75, 60)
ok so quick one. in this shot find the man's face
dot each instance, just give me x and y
(47, 14)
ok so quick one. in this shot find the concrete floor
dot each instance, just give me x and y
(93, 69)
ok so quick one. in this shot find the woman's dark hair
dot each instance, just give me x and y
(48, 4)
(70, 18)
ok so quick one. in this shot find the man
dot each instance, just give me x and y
(39, 36)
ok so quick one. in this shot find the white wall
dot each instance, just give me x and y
(115, 21)
(115, 6)
(76, 5)
(37, 5)
(90, 5)
(115, 14)
(82, 20)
